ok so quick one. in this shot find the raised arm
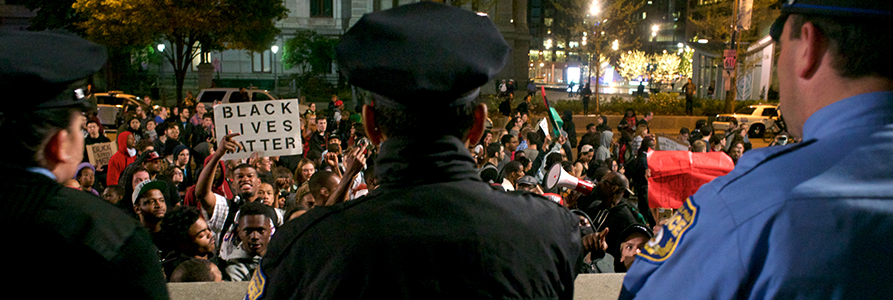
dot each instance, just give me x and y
(354, 162)
(206, 179)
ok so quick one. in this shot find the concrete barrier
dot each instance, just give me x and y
(586, 287)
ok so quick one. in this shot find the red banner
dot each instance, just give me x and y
(675, 175)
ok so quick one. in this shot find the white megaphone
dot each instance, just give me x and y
(558, 177)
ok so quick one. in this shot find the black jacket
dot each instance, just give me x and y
(431, 230)
(74, 232)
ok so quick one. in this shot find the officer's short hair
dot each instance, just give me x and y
(318, 180)
(30, 131)
(862, 46)
(395, 122)
(257, 209)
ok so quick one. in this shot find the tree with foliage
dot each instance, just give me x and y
(600, 23)
(632, 64)
(312, 54)
(189, 26)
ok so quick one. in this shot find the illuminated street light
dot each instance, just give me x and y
(274, 49)
(655, 28)
(160, 47)
(702, 41)
(615, 45)
(593, 10)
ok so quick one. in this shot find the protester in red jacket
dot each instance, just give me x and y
(126, 155)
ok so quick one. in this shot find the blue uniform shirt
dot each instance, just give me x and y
(779, 224)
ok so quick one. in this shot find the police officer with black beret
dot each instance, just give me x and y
(812, 220)
(432, 229)
(62, 242)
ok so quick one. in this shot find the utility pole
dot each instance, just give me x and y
(733, 85)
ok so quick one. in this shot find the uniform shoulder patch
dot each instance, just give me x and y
(256, 285)
(664, 242)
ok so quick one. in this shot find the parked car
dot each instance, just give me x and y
(223, 95)
(111, 108)
(758, 117)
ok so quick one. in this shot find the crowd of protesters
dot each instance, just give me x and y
(210, 219)
(201, 220)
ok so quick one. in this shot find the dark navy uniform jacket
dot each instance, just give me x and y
(808, 220)
(432, 230)
(65, 243)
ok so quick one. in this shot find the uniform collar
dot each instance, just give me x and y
(418, 161)
(865, 110)
(42, 171)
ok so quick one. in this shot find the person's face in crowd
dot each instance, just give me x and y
(201, 109)
(321, 125)
(247, 180)
(513, 144)
(684, 136)
(312, 107)
(139, 111)
(737, 151)
(139, 177)
(151, 205)
(150, 125)
(629, 114)
(172, 132)
(111, 196)
(184, 115)
(183, 157)
(92, 129)
(307, 170)
(178, 176)
(524, 118)
(593, 129)
(587, 156)
(254, 232)
(207, 122)
(201, 240)
(131, 141)
(163, 113)
(630, 247)
(218, 174)
(265, 194)
(176, 111)
(85, 178)
(135, 124)
(606, 187)
(154, 166)
(265, 164)
(614, 166)
(147, 100)
(334, 98)
(599, 119)
(488, 139)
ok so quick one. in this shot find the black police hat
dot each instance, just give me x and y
(40, 70)
(831, 8)
(422, 55)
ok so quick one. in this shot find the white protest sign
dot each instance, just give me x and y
(270, 128)
(667, 143)
(544, 125)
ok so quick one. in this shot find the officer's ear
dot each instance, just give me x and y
(371, 127)
(477, 128)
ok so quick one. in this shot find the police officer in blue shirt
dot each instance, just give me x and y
(811, 220)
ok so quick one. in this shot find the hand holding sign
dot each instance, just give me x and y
(270, 128)
(229, 145)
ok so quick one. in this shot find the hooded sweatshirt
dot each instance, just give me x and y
(605, 140)
(120, 159)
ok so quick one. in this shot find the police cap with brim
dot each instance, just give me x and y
(831, 8)
(42, 70)
(423, 55)
(146, 186)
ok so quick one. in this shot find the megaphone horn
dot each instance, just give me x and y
(559, 177)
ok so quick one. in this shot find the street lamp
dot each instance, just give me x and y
(275, 49)
(160, 84)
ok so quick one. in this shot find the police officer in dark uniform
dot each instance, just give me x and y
(812, 220)
(432, 229)
(65, 242)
